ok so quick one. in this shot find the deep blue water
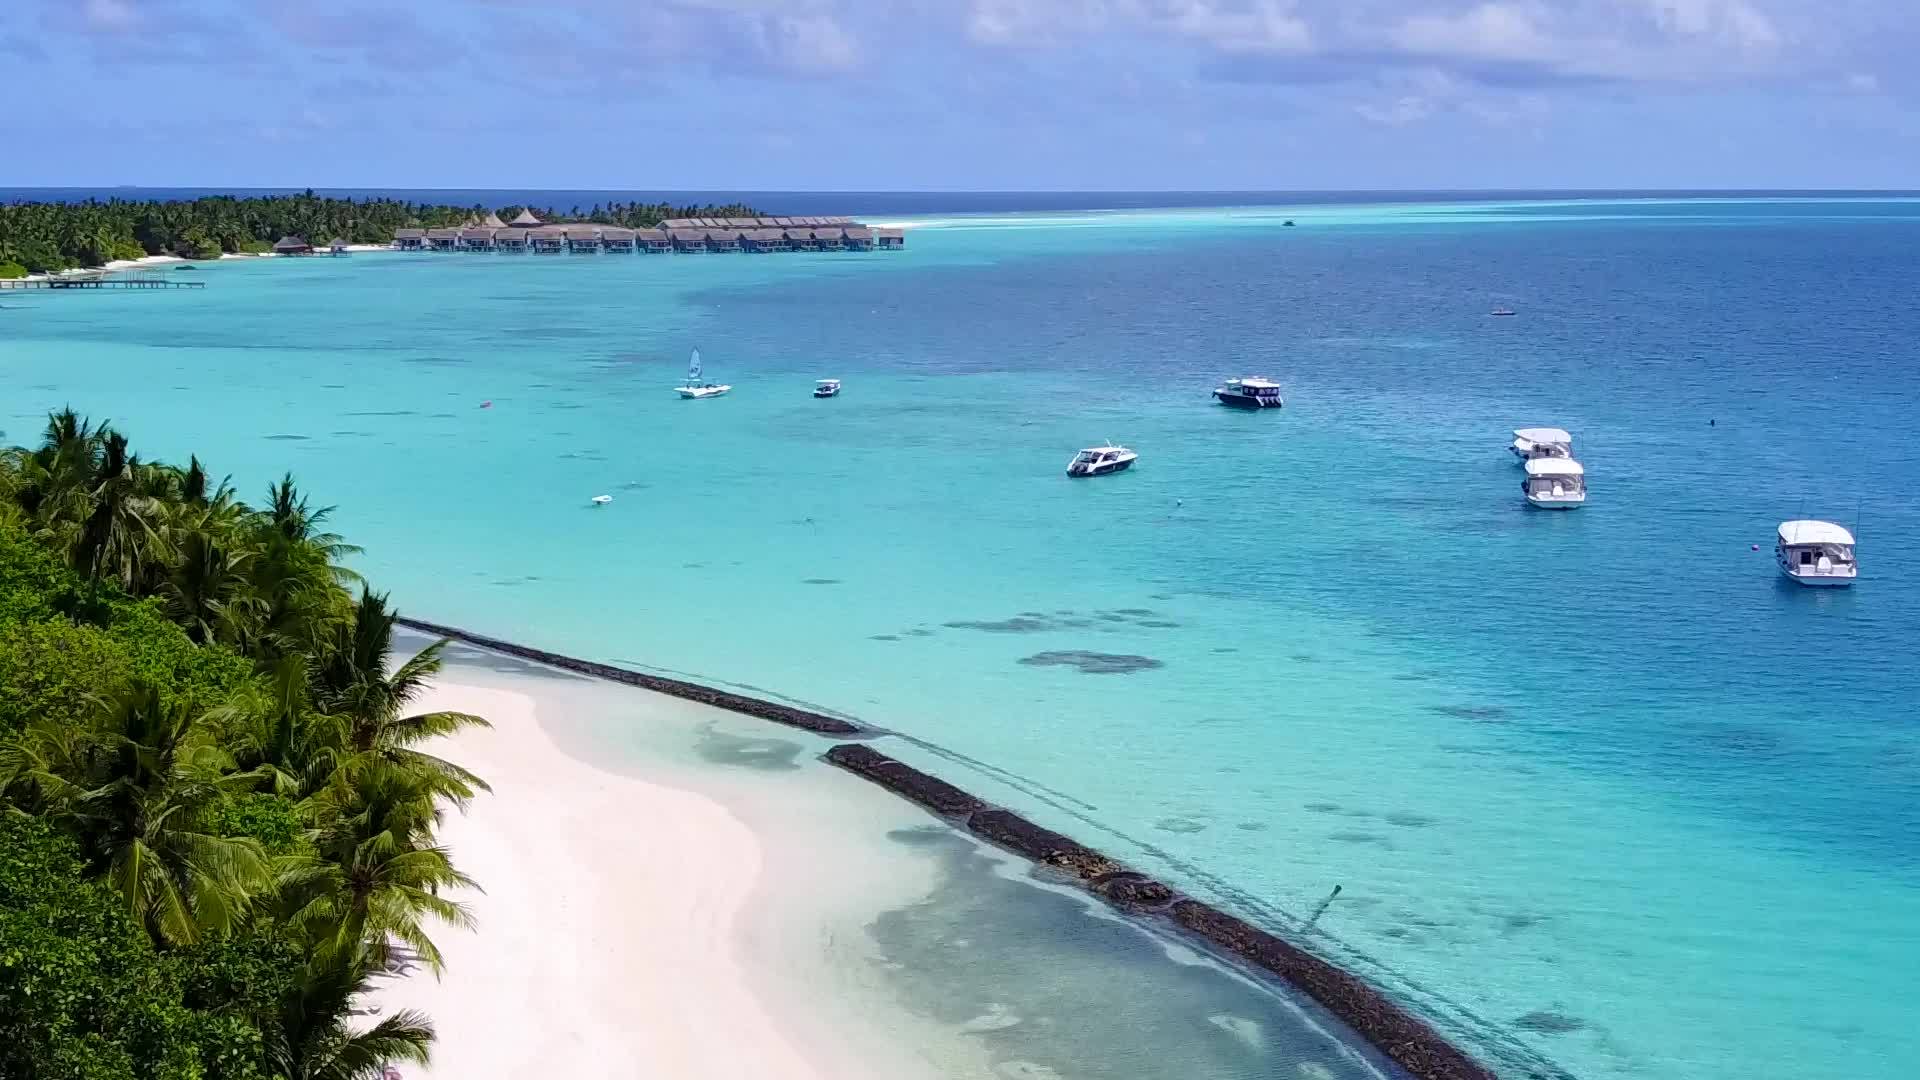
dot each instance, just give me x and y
(897, 202)
(1599, 789)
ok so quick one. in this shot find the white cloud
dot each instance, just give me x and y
(1228, 25)
(1490, 31)
(1404, 110)
(110, 16)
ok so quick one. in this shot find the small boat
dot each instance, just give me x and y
(602, 500)
(1288, 224)
(1250, 393)
(1503, 312)
(1555, 483)
(1541, 442)
(1101, 460)
(695, 387)
(1816, 553)
(826, 388)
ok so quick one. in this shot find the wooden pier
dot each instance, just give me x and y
(102, 280)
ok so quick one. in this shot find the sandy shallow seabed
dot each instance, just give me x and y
(615, 934)
(677, 891)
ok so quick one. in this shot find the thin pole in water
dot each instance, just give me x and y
(1322, 909)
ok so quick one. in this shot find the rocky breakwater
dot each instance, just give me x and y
(1408, 1040)
(705, 695)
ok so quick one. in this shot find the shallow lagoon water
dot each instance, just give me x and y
(1599, 791)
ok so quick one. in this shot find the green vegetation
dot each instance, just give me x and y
(216, 821)
(42, 237)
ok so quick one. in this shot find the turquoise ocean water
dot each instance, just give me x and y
(1601, 793)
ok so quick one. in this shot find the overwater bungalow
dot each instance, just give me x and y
(510, 241)
(827, 239)
(476, 239)
(856, 238)
(293, 245)
(337, 247)
(799, 239)
(617, 241)
(890, 239)
(653, 241)
(443, 239)
(582, 240)
(723, 239)
(547, 240)
(764, 240)
(689, 239)
(409, 239)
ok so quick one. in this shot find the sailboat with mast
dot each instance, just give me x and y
(696, 386)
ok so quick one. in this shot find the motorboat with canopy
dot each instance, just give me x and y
(1249, 393)
(1555, 483)
(1816, 553)
(1541, 442)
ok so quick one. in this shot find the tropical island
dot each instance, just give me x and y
(216, 825)
(48, 237)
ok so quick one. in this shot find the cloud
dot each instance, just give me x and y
(1251, 26)
(110, 16)
(1499, 41)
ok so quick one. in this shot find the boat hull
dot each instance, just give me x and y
(1819, 581)
(1100, 470)
(826, 394)
(1548, 502)
(695, 393)
(1246, 401)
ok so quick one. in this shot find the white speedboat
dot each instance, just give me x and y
(1555, 483)
(1541, 442)
(1816, 553)
(826, 388)
(1249, 393)
(1101, 460)
(696, 387)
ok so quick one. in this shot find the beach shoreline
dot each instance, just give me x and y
(1409, 1041)
(617, 918)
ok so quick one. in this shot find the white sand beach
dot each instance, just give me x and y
(613, 927)
(142, 263)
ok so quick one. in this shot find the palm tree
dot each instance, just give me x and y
(313, 1038)
(297, 581)
(368, 696)
(209, 593)
(377, 875)
(274, 735)
(51, 483)
(132, 790)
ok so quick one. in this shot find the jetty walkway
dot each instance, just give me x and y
(102, 279)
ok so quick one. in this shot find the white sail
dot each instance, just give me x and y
(693, 369)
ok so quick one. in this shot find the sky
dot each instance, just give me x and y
(1140, 95)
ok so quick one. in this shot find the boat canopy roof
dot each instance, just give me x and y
(1543, 434)
(1814, 532)
(1254, 382)
(827, 382)
(1105, 450)
(1554, 466)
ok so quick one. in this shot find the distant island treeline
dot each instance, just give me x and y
(46, 237)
